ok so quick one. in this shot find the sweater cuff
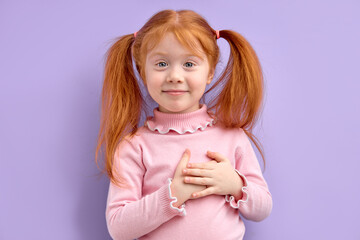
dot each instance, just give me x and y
(181, 210)
(231, 199)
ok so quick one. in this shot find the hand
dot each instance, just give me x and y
(218, 175)
(179, 189)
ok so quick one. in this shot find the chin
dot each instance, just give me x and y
(172, 109)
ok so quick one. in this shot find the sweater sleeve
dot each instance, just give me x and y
(130, 215)
(256, 203)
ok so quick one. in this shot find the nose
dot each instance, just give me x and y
(175, 75)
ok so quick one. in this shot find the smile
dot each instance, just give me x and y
(175, 92)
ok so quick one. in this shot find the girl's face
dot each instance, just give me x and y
(175, 78)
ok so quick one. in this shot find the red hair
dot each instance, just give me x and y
(237, 105)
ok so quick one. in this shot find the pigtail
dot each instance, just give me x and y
(239, 103)
(121, 102)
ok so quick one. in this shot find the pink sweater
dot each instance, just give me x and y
(148, 162)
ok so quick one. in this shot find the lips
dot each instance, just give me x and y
(175, 92)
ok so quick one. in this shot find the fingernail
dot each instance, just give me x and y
(186, 179)
(184, 171)
(194, 195)
(189, 165)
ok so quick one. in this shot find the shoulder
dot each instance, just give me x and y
(241, 136)
(237, 136)
(129, 151)
(131, 141)
(236, 132)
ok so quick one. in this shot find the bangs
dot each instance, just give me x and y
(187, 38)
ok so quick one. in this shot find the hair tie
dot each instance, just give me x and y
(135, 33)
(217, 34)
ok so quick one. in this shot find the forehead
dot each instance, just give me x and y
(170, 45)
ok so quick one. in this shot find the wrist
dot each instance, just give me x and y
(238, 185)
(174, 193)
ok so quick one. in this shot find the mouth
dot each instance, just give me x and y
(175, 92)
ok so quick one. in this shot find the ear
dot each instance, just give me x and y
(211, 76)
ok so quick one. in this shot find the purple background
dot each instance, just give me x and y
(51, 66)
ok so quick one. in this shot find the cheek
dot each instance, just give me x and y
(198, 82)
(153, 85)
(197, 87)
(152, 78)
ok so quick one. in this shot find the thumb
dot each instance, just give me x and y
(185, 157)
(183, 161)
(216, 156)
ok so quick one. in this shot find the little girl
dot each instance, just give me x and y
(190, 172)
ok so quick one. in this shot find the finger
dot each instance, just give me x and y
(198, 180)
(207, 165)
(183, 161)
(198, 172)
(206, 192)
(187, 153)
(185, 157)
(216, 156)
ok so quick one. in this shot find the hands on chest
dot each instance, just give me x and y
(196, 180)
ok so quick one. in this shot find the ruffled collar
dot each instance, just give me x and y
(180, 122)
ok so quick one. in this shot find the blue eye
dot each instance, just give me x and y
(161, 64)
(191, 64)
